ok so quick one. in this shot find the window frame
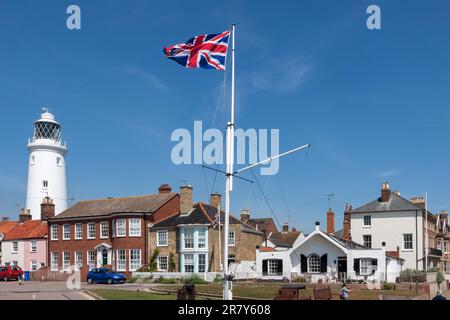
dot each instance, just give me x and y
(77, 232)
(77, 262)
(33, 263)
(33, 248)
(203, 238)
(135, 267)
(120, 261)
(93, 261)
(191, 238)
(89, 231)
(64, 232)
(15, 247)
(159, 263)
(311, 268)
(53, 261)
(365, 242)
(54, 232)
(158, 240)
(231, 239)
(272, 267)
(124, 229)
(132, 229)
(365, 264)
(369, 220)
(204, 265)
(102, 229)
(190, 264)
(64, 261)
(404, 242)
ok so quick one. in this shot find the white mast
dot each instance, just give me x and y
(227, 284)
(229, 178)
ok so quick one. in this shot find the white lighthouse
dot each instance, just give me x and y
(46, 166)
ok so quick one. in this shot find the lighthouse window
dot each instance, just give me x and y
(58, 161)
(33, 160)
(45, 183)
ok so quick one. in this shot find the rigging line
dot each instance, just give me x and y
(283, 198)
(265, 198)
(206, 182)
(260, 187)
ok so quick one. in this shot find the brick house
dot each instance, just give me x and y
(189, 241)
(443, 239)
(106, 232)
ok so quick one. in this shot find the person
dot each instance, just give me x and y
(439, 296)
(20, 278)
(344, 292)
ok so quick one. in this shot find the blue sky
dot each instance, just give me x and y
(373, 104)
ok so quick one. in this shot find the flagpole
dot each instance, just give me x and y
(227, 294)
(426, 231)
(220, 244)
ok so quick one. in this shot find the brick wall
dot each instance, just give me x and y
(173, 243)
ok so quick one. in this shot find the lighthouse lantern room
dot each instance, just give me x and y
(46, 166)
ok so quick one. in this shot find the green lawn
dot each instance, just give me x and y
(269, 291)
(117, 294)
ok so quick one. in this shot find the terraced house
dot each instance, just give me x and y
(189, 242)
(106, 232)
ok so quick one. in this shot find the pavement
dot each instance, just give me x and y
(36, 290)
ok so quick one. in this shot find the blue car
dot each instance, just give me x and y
(105, 275)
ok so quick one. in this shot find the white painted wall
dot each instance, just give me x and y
(389, 227)
(8, 256)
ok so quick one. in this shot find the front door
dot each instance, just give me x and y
(104, 257)
(342, 268)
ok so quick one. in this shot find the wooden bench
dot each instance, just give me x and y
(322, 293)
(290, 292)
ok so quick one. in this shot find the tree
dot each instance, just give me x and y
(171, 262)
(153, 264)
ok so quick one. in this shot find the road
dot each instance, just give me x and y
(36, 290)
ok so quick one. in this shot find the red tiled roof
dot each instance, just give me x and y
(393, 254)
(31, 229)
(6, 226)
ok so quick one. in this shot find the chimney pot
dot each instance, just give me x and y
(317, 225)
(186, 203)
(165, 188)
(215, 200)
(5, 218)
(47, 208)
(24, 215)
(245, 215)
(285, 227)
(385, 192)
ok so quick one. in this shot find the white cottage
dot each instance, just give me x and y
(327, 258)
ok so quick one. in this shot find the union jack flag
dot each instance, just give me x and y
(216, 218)
(208, 51)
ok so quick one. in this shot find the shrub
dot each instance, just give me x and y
(218, 279)
(171, 262)
(194, 280)
(153, 264)
(388, 286)
(167, 280)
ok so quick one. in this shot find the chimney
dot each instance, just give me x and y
(185, 199)
(215, 199)
(245, 215)
(385, 192)
(330, 221)
(47, 209)
(165, 188)
(285, 227)
(294, 229)
(5, 218)
(24, 215)
(418, 201)
(346, 232)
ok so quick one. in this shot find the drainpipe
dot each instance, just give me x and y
(417, 244)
